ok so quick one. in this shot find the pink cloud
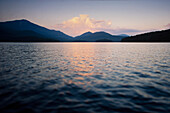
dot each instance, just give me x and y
(81, 24)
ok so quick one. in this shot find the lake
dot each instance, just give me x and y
(84, 77)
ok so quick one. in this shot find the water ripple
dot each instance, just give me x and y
(77, 77)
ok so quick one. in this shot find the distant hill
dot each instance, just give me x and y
(124, 35)
(83, 35)
(98, 37)
(24, 30)
(157, 36)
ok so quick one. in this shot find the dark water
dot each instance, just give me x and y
(84, 78)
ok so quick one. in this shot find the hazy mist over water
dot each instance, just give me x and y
(84, 77)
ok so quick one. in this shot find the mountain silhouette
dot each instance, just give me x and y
(22, 36)
(157, 36)
(124, 35)
(98, 37)
(83, 35)
(24, 30)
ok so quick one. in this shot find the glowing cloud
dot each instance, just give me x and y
(81, 24)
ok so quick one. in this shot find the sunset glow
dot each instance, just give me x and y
(75, 17)
(83, 23)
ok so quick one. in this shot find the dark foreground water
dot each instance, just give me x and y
(84, 78)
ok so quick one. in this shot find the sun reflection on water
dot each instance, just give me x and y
(81, 59)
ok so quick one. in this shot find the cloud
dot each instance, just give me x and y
(81, 24)
(78, 25)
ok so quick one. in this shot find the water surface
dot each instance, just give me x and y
(84, 77)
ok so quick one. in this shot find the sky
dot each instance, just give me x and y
(75, 17)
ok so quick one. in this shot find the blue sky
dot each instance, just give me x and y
(77, 16)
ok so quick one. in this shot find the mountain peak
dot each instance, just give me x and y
(22, 20)
(17, 21)
(102, 32)
(86, 33)
(22, 25)
(89, 32)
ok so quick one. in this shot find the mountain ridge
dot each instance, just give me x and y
(26, 31)
(98, 36)
(22, 25)
(156, 36)
(14, 31)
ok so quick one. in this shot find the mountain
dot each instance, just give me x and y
(124, 35)
(28, 31)
(157, 36)
(98, 37)
(22, 36)
(83, 35)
